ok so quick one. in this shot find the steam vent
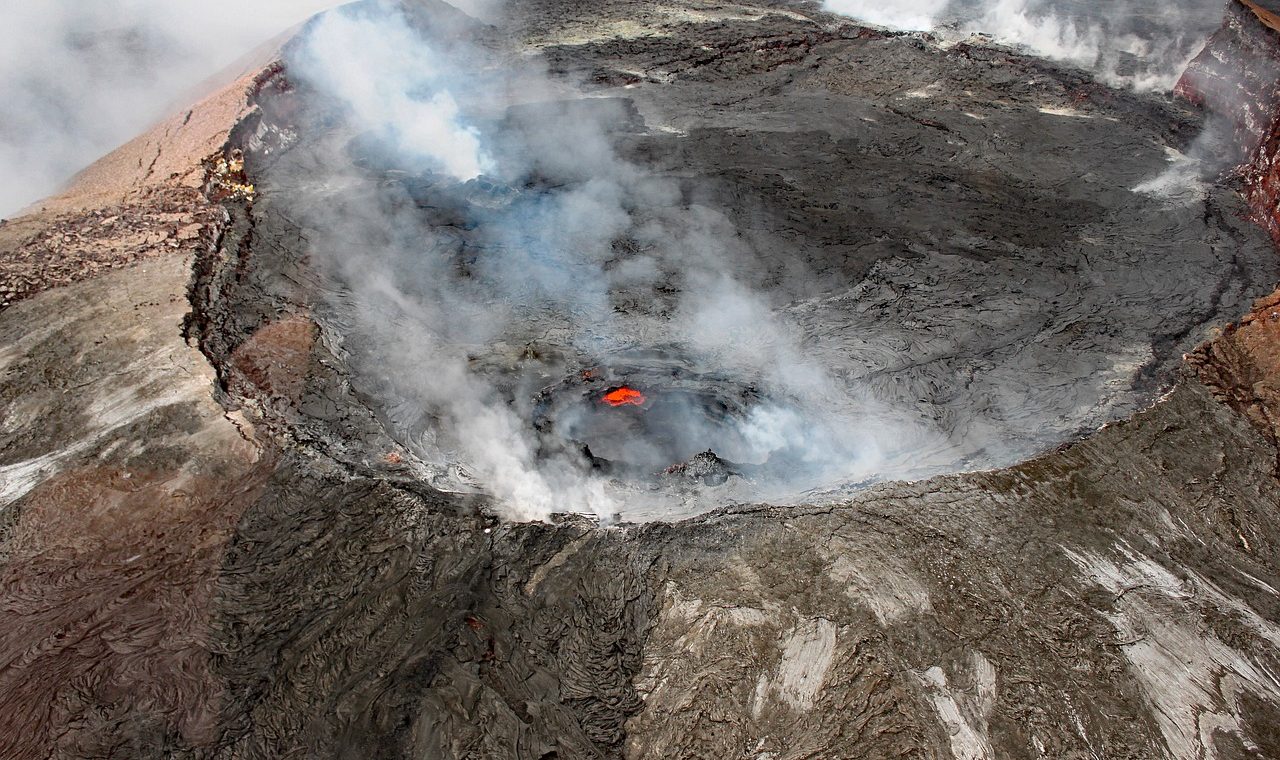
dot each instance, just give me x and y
(671, 379)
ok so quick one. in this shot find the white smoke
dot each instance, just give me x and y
(906, 15)
(1138, 44)
(1184, 179)
(418, 324)
(381, 78)
(1047, 33)
(426, 337)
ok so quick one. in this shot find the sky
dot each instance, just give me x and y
(81, 77)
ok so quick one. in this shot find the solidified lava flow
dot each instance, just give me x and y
(624, 396)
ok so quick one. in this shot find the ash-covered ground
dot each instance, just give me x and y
(831, 256)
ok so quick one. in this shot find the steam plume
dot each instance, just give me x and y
(456, 334)
(1140, 44)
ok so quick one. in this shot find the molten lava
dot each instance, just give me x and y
(623, 396)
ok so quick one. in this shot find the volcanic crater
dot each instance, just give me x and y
(653, 379)
(944, 269)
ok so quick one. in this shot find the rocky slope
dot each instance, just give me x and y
(1235, 78)
(216, 543)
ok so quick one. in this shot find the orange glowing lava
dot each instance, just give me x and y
(624, 396)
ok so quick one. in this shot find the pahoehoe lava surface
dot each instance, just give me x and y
(282, 569)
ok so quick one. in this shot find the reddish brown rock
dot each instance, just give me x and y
(1242, 367)
(273, 362)
(1236, 74)
(43, 251)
